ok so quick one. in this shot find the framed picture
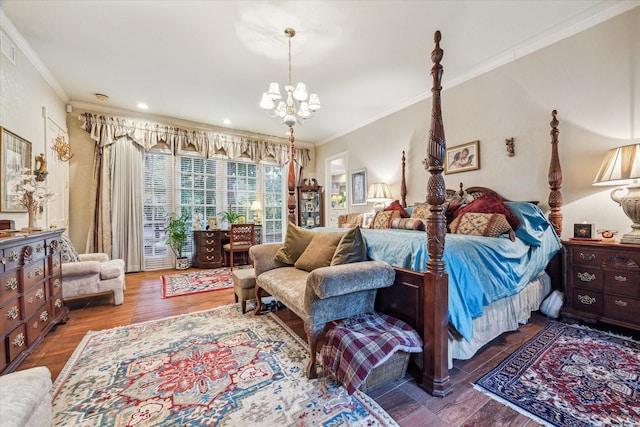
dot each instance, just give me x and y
(461, 158)
(359, 187)
(15, 154)
(367, 219)
(212, 222)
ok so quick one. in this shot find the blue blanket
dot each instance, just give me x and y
(481, 269)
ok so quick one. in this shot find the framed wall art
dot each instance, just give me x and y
(359, 187)
(462, 158)
(15, 154)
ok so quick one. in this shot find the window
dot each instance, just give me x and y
(197, 187)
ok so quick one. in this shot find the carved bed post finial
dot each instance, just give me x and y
(555, 178)
(403, 185)
(435, 373)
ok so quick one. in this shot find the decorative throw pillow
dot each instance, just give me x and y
(408, 223)
(421, 211)
(490, 203)
(383, 219)
(296, 241)
(69, 253)
(352, 248)
(482, 224)
(396, 206)
(320, 250)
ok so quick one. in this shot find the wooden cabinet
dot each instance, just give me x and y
(603, 283)
(30, 294)
(207, 248)
(310, 213)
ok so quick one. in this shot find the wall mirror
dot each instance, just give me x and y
(15, 154)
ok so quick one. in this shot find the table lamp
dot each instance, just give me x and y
(256, 207)
(379, 194)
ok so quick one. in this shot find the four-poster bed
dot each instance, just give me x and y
(421, 298)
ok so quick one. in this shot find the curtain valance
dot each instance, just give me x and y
(106, 131)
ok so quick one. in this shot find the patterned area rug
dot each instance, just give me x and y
(215, 367)
(194, 282)
(571, 376)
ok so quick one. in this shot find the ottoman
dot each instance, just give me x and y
(25, 398)
(244, 283)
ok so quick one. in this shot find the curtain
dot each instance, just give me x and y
(127, 192)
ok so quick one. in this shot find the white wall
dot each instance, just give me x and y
(592, 79)
(23, 95)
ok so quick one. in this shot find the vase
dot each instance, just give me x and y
(33, 215)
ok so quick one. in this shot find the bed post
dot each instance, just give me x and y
(435, 373)
(555, 178)
(291, 181)
(403, 184)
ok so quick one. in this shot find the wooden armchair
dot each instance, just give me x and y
(241, 238)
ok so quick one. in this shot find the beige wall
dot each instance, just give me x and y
(592, 79)
(23, 95)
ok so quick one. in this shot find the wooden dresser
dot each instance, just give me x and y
(207, 246)
(30, 293)
(603, 283)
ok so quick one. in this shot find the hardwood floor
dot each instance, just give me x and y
(408, 404)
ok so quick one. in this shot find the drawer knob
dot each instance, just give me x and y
(56, 283)
(56, 264)
(18, 341)
(209, 242)
(12, 313)
(44, 316)
(39, 271)
(58, 303)
(586, 277)
(587, 257)
(12, 284)
(13, 256)
(209, 250)
(620, 303)
(620, 278)
(35, 325)
(3, 260)
(39, 294)
(210, 258)
(30, 300)
(39, 247)
(586, 299)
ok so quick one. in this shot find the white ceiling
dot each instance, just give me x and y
(205, 61)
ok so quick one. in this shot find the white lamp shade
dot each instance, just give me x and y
(274, 91)
(304, 110)
(266, 103)
(256, 206)
(314, 102)
(379, 192)
(300, 94)
(281, 111)
(620, 166)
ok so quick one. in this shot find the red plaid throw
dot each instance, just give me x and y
(358, 344)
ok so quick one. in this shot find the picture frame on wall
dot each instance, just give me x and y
(15, 154)
(462, 158)
(359, 187)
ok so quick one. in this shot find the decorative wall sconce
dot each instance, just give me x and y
(63, 149)
(511, 151)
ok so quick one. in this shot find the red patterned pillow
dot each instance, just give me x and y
(490, 203)
(421, 211)
(396, 206)
(383, 219)
(482, 224)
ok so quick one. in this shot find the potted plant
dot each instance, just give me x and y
(230, 217)
(176, 239)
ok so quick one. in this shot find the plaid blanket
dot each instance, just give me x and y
(358, 344)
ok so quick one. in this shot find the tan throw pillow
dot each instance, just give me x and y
(408, 223)
(421, 211)
(482, 224)
(383, 219)
(352, 248)
(296, 241)
(320, 251)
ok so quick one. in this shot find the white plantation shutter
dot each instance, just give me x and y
(158, 190)
(272, 212)
(242, 188)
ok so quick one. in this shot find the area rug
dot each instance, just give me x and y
(571, 376)
(216, 367)
(195, 282)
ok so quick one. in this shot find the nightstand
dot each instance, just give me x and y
(602, 282)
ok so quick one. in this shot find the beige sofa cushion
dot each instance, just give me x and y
(296, 241)
(320, 251)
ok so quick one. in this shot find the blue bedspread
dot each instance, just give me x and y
(481, 269)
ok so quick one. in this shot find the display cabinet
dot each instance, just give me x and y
(310, 212)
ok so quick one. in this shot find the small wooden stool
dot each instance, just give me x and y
(244, 283)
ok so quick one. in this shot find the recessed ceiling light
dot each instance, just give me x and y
(143, 106)
(226, 121)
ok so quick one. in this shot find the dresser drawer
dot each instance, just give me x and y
(17, 342)
(11, 315)
(587, 300)
(56, 306)
(54, 266)
(588, 256)
(9, 286)
(55, 287)
(622, 283)
(589, 278)
(32, 274)
(33, 300)
(11, 257)
(622, 308)
(36, 323)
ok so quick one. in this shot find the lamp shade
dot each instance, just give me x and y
(620, 166)
(256, 206)
(378, 192)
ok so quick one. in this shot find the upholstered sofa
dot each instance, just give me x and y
(25, 398)
(322, 277)
(91, 274)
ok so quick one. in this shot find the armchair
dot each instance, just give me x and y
(91, 274)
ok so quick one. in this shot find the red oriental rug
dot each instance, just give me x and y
(194, 282)
(571, 376)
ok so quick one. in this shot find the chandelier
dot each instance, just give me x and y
(299, 105)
